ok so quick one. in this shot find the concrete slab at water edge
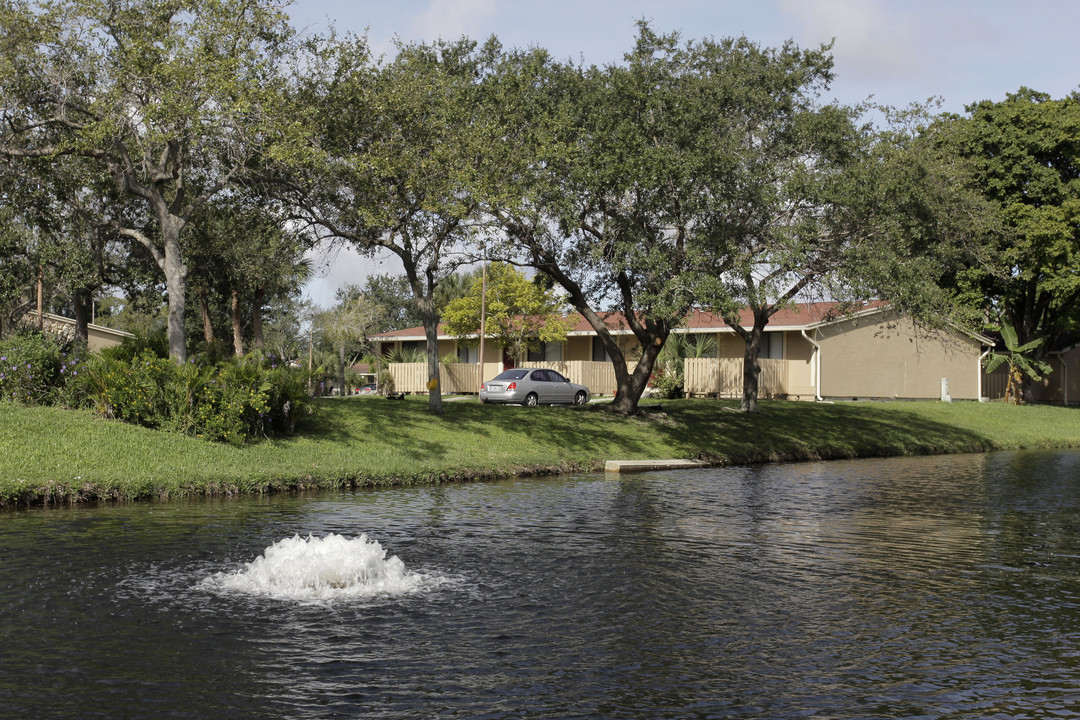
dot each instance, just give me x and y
(625, 466)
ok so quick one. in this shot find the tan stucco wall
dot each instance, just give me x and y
(800, 356)
(98, 340)
(447, 347)
(579, 347)
(880, 356)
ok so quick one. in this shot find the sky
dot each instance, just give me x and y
(896, 51)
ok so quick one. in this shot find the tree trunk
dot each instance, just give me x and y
(751, 370)
(341, 370)
(751, 366)
(176, 285)
(430, 316)
(207, 325)
(256, 317)
(82, 299)
(237, 329)
(627, 395)
(629, 386)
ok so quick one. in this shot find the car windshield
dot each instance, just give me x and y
(511, 375)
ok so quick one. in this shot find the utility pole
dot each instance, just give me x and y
(483, 312)
(310, 351)
(40, 299)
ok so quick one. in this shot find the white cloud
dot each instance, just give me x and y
(450, 19)
(335, 268)
(874, 38)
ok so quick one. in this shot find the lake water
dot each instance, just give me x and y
(943, 587)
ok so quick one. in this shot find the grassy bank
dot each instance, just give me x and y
(51, 455)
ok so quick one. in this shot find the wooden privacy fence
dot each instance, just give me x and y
(710, 376)
(995, 383)
(599, 377)
(453, 377)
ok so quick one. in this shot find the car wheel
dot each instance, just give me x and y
(530, 400)
(580, 398)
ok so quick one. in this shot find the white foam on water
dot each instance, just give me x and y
(319, 569)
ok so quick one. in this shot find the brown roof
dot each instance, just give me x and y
(799, 315)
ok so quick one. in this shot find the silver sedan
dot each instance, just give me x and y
(531, 387)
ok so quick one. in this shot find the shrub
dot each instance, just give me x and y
(386, 382)
(666, 385)
(156, 343)
(35, 368)
(139, 388)
(287, 400)
(233, 401)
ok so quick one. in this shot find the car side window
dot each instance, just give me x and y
(540, 375)
(557, 377)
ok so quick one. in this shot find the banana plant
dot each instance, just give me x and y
(1020, 359)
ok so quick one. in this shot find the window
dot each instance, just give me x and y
(772, 346)
(548, 352)
(599, 353)
(466, 354)
(540, 376)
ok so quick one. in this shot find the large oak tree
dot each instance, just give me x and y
(393, 166)
(172, 99)
(627, 183)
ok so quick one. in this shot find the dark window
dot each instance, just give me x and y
(548, 352)
(772, 346)
(556, 377)
(599, 353)
(540, 376)
(517, 374)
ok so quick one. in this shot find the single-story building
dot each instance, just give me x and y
(98, 337)
(809, 351)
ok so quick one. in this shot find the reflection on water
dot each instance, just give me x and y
(927, 587)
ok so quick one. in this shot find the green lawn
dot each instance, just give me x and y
(52, 455)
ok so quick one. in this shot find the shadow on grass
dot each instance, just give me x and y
(786, 430)
(408, 427)
(472, 436)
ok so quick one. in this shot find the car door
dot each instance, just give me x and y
(542, 386)
(562, 391)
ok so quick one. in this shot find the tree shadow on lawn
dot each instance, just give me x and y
(702, 429)
(786, 430)
(407, 426)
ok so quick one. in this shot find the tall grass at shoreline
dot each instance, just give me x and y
(53, 455)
